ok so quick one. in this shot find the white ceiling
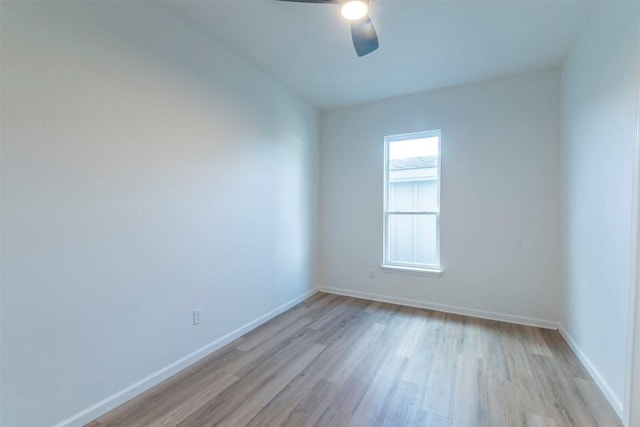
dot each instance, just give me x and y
(424, 44)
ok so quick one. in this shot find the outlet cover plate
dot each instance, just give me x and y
(197, 316)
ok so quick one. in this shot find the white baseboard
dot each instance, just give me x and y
(509, 318)
(116, 399)
(612, 398)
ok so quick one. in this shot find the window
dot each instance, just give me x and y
(412, 202)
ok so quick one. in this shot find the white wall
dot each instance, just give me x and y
(600, 95)
(500, 215)
(146, 170)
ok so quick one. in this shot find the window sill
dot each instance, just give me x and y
(411, 271)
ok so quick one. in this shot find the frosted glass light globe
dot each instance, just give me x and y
(354, 9)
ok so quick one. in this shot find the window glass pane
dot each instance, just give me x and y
(413, 174)
(402, 196)
(415, 147)
(427, 195)
(412, 239)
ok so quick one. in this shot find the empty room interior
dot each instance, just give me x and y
(319, 213)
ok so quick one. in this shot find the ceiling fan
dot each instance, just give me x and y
(364, 36)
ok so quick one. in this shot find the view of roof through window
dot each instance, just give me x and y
(413, 158)
(414, 163)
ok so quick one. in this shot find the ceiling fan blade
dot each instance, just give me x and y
(364, 36)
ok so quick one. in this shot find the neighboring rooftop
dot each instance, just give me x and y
(414, 163)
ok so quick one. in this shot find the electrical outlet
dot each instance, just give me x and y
(197, 316)
(372, 275)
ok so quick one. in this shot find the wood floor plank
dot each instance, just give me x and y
(433, 420)
(377, 396)
(265, 351)
(563, 354)
(560, 394)
(232, 402)
(470, 399)
(535, 420)
(503, 406)
(193, 402)
(597, 405)
(340, 361)
(422, 357)
(409, 342)
(292, 401)
(311, 407)
(330, 316)
(261, 397)
(344, 367)
(314, 398)
(440, 388)
(282, 328)
(403, 406)
(170, 393)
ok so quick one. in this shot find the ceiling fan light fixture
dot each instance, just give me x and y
(355, 9)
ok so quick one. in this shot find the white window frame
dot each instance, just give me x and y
(405, 267)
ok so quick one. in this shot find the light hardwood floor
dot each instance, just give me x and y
(338, 361)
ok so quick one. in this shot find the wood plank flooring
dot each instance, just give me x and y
(338, 361)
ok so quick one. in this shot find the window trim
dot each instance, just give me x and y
(424, 272)
(434, 270)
